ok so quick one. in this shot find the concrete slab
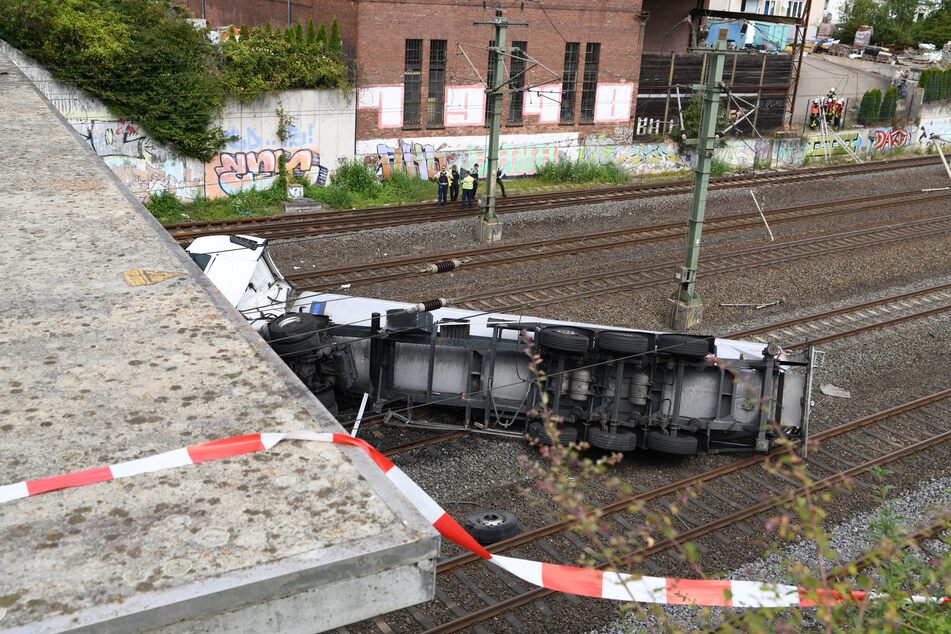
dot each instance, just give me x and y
(94, 371)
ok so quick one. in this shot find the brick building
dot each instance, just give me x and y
(421, 104)
(419, 95)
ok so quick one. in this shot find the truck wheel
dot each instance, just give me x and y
(684, 345)
(682, 445)
(565, 339)
(625, 342)
(566, 433)
(493, 526)
(295, 326)
(621, 440)
(295, 333)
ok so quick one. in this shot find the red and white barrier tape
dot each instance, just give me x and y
(580, 581)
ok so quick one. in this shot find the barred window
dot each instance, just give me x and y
(412, 79)
(436, 99)
(517, 82)
(589, 84)
(569, 80)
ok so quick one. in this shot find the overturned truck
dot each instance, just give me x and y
(617, 389)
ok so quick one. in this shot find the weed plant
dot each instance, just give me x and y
(567, 171)
(563, 473)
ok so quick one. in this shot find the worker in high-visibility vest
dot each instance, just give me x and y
(468, 190)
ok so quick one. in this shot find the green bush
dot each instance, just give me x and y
(691, 119)
(870, 107)
(165, 205)
(357, 177)
(889, 105)
(566, 171)
(268, 61)
(936, 84)
(718, 167)
(334, 196)
(147, 63)
(355, 184)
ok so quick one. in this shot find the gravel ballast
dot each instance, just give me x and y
(880, 368)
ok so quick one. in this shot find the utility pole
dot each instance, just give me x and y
(686, 307)
(490, 226)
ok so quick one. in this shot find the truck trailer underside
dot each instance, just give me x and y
(617, 389)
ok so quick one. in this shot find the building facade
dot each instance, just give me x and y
(422, 67)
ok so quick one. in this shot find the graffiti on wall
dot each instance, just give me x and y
(519, 155)
(465, 105)
(230, 173)
(414, 159)
(387, 101)
(818, 145)
(145, 167)
(636, 158)
(745, 153)
(646, 126)
(612, 102)
(543, 102)
(889, 138)
(787, 153)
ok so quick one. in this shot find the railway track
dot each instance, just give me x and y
(599, 282)
(320, 223)
(814, 329)
(727, 499)
(362, 275)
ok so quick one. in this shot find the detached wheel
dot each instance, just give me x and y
(678, 445)
(621, 440)
(566, 433)
(624, 342)
(488, 527)
(565, 339)
(684, 345)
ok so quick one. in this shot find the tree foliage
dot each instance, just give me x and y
(335, 46)
(870, 107)
(936, 84)
(268, 62)
(936, 28)
(889, 105)
(893, 22)
(147, 63)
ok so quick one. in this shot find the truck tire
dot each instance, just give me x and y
(488, 527)
(684, 345)
(565, 338)
(624, 342)
(682, 445)
(295, 326)
(295, 333)
(328, 399)
(621, 440)
(566, 433)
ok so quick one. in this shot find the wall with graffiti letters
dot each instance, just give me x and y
(519, 154)
(322, 133)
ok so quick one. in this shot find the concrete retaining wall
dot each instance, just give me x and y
(323, 133)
